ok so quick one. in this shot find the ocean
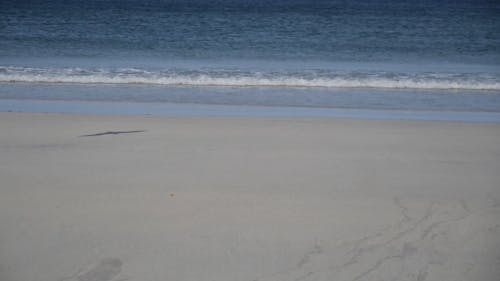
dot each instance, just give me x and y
(425, 57)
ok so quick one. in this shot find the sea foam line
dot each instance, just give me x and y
(247, 79)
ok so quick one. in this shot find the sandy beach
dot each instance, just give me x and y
(149, 198)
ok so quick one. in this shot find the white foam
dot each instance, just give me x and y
(250, 79)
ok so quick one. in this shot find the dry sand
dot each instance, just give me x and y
(249, 198)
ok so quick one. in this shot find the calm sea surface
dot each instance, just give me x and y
(376, 55)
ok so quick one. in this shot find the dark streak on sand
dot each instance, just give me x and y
(113, 133)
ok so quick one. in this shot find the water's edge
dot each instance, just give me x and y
(172, 109)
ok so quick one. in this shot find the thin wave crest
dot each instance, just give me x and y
(245, 78)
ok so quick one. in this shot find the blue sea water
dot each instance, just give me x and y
(437, 56)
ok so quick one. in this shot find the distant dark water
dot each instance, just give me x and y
(374, 31)
(418, 45)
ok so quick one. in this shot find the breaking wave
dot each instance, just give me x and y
(247, 78)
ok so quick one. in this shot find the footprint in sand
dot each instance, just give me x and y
(106, 270)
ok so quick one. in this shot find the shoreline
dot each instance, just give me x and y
(111, 108)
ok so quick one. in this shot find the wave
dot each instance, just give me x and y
(246, 78)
